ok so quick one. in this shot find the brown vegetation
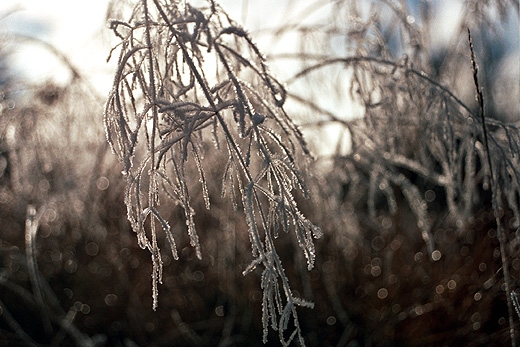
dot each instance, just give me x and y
(420, 217)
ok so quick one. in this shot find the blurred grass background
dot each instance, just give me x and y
(71, 272)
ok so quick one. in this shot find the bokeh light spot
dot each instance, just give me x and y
(382, 293)
(102, 183)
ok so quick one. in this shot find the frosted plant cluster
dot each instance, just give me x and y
(186, 75)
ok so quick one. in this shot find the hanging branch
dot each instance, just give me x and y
(184, 73)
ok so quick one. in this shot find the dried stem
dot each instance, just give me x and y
(496, 196)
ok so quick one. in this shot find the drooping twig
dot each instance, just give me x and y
(496, 195)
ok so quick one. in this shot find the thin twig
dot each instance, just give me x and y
(31, 227)
(496, 195)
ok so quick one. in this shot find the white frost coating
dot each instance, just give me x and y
(165, 95)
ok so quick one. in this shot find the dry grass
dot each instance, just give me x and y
(420, 216)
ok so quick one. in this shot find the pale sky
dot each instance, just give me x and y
(78, 29)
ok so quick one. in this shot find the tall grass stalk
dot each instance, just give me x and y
(496, 195)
